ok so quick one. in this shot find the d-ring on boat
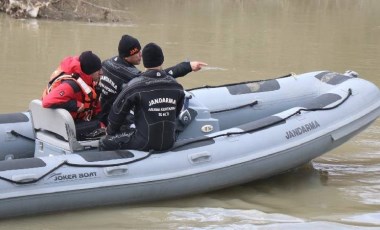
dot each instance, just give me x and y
(229, 135)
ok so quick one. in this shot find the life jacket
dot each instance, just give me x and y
(89, 98)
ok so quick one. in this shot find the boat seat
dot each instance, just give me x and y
(57, 128)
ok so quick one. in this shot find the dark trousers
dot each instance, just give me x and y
(88, 130)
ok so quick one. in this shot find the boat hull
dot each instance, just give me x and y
(200, 162)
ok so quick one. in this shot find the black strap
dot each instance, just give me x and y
(16, 134)
(234, 108)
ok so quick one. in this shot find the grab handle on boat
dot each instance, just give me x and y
(116, 170)
(197, 158)
(24, 178)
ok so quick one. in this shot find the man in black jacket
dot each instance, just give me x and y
(156, 99)
(119, 70)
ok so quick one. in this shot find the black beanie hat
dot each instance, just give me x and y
(89, 62)
(152, 56)
(128, 46)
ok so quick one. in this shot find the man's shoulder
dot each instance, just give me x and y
(118, 63)
(119, 70)
(71, 83)
(150, 79)
(114, 59)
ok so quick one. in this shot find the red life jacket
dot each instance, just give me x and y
(89, 99)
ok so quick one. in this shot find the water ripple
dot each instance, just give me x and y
(210, 215)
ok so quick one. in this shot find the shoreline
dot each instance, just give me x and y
(68, 10)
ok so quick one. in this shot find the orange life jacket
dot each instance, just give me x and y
(89, 94)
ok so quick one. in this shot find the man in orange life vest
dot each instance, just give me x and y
(73, 87)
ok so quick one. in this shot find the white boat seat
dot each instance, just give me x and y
(56, 127)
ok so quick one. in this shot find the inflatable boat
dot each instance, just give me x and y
(227, 135)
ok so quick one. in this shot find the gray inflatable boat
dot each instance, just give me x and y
(229, 135)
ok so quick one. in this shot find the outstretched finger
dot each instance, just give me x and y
(197, 65)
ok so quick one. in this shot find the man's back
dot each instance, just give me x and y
(157, 101)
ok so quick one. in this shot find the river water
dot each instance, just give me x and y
(240, 40)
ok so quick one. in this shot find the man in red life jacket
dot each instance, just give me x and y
(73, 87)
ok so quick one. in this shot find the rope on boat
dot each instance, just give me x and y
(239, 83)
(109, 165)
(265, 126)
(34, 180)
(192, 142)
(75, 165)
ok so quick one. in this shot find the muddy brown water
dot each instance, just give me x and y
(240, 40)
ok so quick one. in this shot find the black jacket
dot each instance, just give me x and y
(157, 100)
(116, 75)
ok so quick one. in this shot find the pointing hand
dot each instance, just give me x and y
(197, 65)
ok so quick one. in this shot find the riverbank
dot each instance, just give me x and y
(79, 10)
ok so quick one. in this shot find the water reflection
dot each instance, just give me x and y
(240, 40)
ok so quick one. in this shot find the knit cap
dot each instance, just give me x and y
(89, 62)
(152, 56)
(128, 46)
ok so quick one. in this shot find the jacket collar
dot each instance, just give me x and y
(154, 73)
